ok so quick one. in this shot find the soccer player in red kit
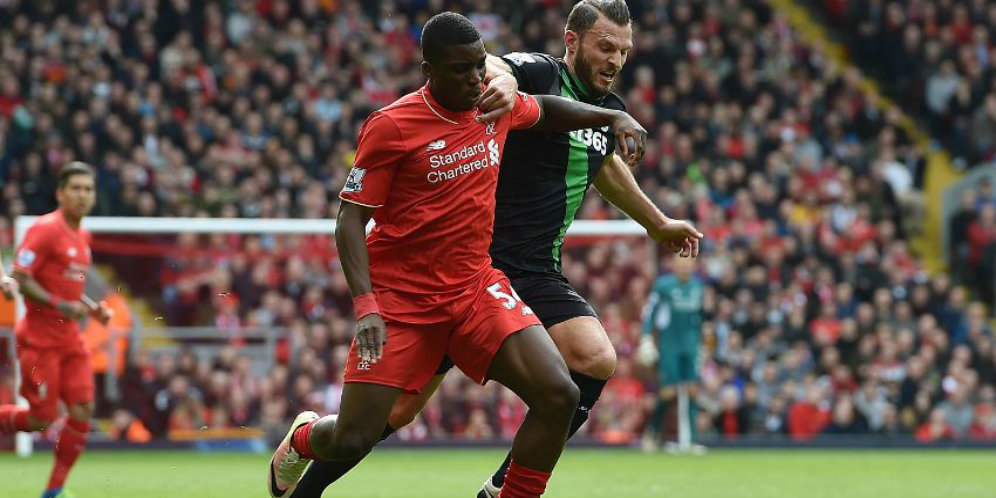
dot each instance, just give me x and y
(50, 267)
(426, 170)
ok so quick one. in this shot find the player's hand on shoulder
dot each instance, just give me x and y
(498, 98)
(371, 335)
(73, 310)
(8, 286)
(679, 237)
(631, 138)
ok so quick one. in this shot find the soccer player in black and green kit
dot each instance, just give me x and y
(542, 181)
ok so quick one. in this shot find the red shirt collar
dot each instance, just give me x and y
(442, 112)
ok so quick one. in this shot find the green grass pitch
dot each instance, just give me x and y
(431, 473)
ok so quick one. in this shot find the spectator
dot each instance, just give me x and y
(809, 417)
(846, 419)
(936, 429)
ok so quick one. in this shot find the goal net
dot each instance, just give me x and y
(225, 324)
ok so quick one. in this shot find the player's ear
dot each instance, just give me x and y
(571, 40)
(426, 69)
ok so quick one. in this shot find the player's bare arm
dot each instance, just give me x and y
(560, 115)
(31, 289)
(8, 286)
(351, 239)
(616, 184)
(498, 98)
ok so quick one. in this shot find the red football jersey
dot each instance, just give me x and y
(58, 257)
(432, 175)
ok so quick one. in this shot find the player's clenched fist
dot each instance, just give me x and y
(371, 335)
(102, 312)
(625, 127)
(8, 286)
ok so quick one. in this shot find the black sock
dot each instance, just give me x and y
(591, 389)
(322, 474)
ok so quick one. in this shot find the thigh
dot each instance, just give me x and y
(491, 313)
(40, 378)
(582, 340)
(552, 298)
(411, 356)
(688, 368)
(76, 377)
(669, 370)
(528, 363)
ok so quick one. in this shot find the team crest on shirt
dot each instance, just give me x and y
(25, 257)
(489, 128)
(71, 252)
(354, 182)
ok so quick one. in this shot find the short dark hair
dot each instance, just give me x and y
(73, 169)
(445, 29)
(584, 14)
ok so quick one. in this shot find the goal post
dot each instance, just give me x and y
(154, 225)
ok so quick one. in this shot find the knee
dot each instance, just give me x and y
(559, 398)
(596, 359)
(81, 412)
(39, 420)
(352, 446)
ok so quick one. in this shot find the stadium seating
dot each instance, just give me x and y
(819, 318)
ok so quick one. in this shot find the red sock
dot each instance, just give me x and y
(301, 441)
(71, 442)
(521, 482)
(13, 418)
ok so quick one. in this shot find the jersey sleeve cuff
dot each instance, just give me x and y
(351, 201)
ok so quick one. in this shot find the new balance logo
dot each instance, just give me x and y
(437, 145)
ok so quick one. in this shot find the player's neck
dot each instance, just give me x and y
(441, 107)
(572, 73)
(71, 221)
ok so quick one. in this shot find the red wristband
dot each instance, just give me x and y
(365, 305)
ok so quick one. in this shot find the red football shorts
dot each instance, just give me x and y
(51, 374)
(471, 328)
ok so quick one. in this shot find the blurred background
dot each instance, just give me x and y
(838, 156)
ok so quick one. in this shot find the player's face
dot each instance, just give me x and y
(77, 196)
(456, 79)
(601, 54)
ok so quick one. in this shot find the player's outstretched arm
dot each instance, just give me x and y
(8, 286)
(351, 240)
(560, 115)
(32, 290)
(616, 184)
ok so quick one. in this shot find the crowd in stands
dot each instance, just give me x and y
(818, 317)
(939, 57)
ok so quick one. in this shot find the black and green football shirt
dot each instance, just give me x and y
(545, 176)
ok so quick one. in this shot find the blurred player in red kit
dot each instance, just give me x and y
(50, 267)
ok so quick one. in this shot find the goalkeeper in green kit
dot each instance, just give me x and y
(671, 336)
